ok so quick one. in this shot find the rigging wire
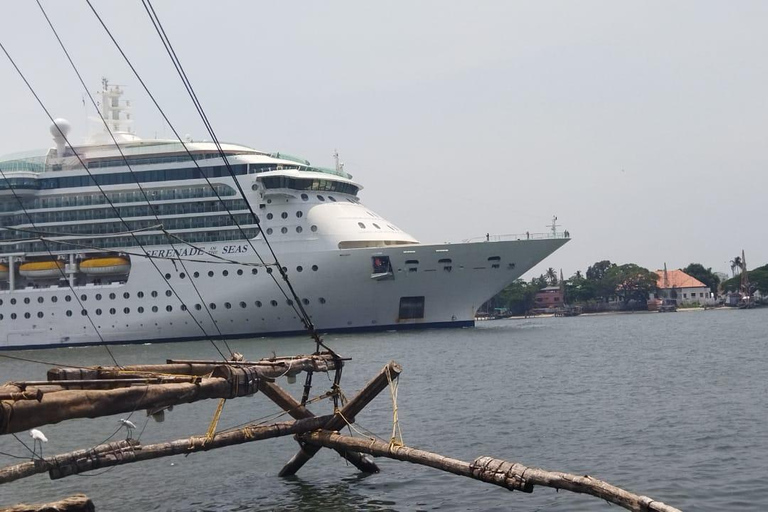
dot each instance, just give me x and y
(53, 257)
(144, 194)
(295, 304)
(190, 90)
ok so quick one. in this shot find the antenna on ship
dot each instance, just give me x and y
(553, 226)
(339, 165)
(116, 113)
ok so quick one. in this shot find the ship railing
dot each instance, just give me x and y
(549, 235)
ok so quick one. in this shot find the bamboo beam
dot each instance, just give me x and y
(15, 394)
(227, 382)
(290, 405)
(347, 414)
(510, 475)
(129, 451)
(36, 466)
(76, 503)
(268, 368)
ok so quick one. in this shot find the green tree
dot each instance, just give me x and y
(736, 264)
(596, 272)
(631, 282)
(551, 276)
(518, 297)
(578, 289)
(758, 280)
(705, 275)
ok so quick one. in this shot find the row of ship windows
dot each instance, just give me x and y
(165, 159)
(168, 308)
(107, 228)
(125, 178)
(97, 198)
(154, 293)
(270, 182)
(125, 212)
(132, 241)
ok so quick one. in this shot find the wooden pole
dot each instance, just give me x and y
(227, 382)
(37, 466)
(125, 452)
(298, 411)
(268, 368)
(347, 414)
(76, 503)
(510, 475)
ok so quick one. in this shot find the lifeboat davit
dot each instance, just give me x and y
(105, 266)
(42, 269)
(3, 272)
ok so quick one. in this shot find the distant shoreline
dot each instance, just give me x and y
(602, 313)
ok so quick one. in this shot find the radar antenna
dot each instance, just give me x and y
(339, 165)
(553, 226)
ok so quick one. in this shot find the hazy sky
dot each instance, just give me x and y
(642, 125)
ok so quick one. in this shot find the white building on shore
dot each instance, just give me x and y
(682, 288)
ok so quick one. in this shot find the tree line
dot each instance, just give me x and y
(602, 282)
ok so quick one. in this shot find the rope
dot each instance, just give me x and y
(396, 439)
(214, 422)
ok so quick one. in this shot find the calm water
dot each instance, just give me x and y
(671, 406)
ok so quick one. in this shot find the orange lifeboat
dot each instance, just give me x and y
(3, 272)
(105, 266)
(42, 269)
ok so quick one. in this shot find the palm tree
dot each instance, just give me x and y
(551, 276)
(736, 264)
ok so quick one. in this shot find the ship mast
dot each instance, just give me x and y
(553, 226)
(338, 164)
(116, 113)
(744, 278)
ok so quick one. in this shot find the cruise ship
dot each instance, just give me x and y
(151, 240)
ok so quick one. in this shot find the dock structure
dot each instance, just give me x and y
(70, 393)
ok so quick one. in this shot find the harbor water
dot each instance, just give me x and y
(670, 406)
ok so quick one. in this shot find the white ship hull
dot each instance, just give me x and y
(342, 294)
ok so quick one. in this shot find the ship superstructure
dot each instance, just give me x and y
(153, 241)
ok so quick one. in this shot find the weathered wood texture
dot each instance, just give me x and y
(125, 452)
(510, 475)
(70, 404)
(269, 368)
(76, 503)
(37, 466)
(347, 414)
(298, 411)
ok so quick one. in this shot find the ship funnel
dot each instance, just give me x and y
(60, 131)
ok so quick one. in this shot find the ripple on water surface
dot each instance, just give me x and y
(662, 405)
